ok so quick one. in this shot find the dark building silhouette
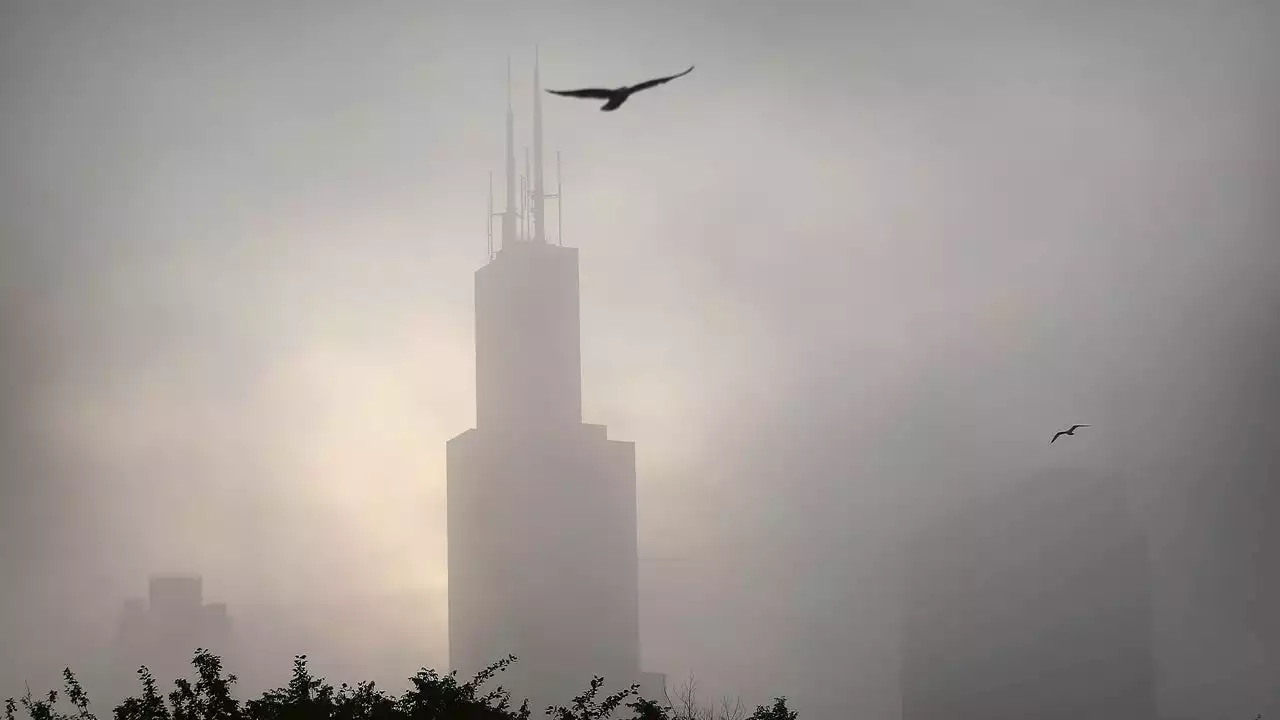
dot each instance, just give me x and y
(164, 630)
(1031, 602)
(1216, 541)
(541, 507)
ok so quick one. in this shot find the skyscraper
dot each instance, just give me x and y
(541, 507)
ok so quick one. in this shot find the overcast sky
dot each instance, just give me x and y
(859, 261)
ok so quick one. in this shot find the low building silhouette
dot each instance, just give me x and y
(164, 630)
(1030, 602)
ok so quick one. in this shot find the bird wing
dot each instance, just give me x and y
(658, 81)
(1077, 427)
(593, 93)
(1057, 435)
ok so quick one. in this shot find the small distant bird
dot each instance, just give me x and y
(1070, 431)
(617, 96)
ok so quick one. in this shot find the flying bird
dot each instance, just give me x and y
(617, 96)
(1070, 431)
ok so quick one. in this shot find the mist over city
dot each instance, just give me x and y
(279, 345)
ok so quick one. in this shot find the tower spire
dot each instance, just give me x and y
(539, 191)
(509, 215)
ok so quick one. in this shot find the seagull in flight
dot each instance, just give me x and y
(1070, 431)
(617, 96)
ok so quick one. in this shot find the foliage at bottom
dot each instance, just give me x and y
(431, 696)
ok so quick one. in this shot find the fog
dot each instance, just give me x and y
(854, 270)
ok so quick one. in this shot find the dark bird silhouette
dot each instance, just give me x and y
(617, 96)
(1070, 431)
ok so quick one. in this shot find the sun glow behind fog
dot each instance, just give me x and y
(375, 378)
(364, 429)
(295, 411)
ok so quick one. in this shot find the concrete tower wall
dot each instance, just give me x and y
(528, 348)
(542, 558)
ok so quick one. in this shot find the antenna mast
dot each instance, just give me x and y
(527, 201)
(489, 249)
(510, 214)
(539, 191)
(526, 218)
(559, 207)
(539, 195)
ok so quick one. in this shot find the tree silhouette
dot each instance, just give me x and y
(777, 711)
(585, 706)
(148, 707)
(431, 696)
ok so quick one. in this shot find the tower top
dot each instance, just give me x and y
(539, 195)
(510, 215)
(530, 226)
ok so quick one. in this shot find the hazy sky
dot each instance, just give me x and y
(857, 261)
